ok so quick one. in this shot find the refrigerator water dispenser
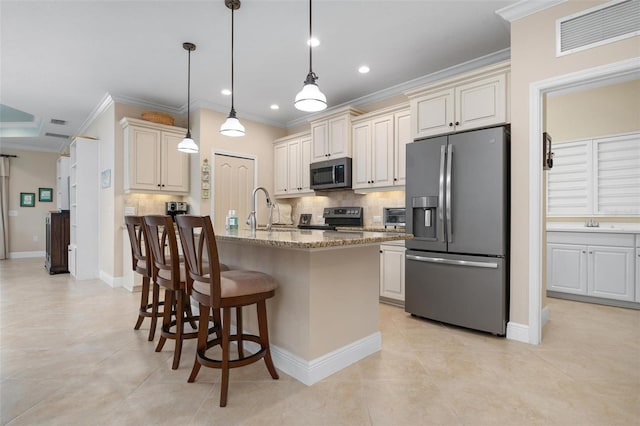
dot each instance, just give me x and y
(424, 216)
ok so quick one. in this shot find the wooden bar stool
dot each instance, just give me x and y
(170, 274)
(142, 260)
(217, 290)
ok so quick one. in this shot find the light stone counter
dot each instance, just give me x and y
(607, 227)
(324, 315)
(310, 239)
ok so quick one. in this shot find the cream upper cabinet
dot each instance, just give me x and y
(379, 146)
(471, 101)
(402, 136)
(292, 156)
(331, 135)
(280, 168)
(152, 161)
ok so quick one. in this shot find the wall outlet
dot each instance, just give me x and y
(377, 219)
(319, 219)
(129, 211)
(13, 213)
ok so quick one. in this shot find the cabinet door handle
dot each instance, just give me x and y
(457, 123)
(584, 251)
(158, 184)
(450, 124)
(590, 252)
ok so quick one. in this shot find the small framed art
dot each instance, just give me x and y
(27, 199)
(45, 195)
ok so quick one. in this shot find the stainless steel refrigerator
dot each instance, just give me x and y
(457, 201)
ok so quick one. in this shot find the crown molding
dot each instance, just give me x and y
(400, 89)
(525, 8)
(106, 102)
(155, 106)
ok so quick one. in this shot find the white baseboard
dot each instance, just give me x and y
(111, 280)
(26, 254)
(518, 332)
(310, 372)
(544, 318)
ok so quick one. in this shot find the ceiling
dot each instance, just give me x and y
(60, 58)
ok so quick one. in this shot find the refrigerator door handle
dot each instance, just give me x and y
(441, 196)
(452, 261)
(449, 199)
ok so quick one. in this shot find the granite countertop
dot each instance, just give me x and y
(605, 227)
(290, 237)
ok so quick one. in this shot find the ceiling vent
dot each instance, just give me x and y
(600, 25)
(57, 135)
(59, 122)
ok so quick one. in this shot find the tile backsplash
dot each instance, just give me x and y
(372, 204)
(144, 204)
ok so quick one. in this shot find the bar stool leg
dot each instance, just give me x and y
(154, 310)
(179, 329)
(264, 337)
(166, 318)
(144, 302)
(226, 331)
(203, 334)
(239, 328)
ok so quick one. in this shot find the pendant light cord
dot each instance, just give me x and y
(189, 95)
(310, 42)
(232, 89)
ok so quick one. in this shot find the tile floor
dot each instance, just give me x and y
(69, 356)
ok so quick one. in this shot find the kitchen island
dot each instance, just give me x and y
(324, 315)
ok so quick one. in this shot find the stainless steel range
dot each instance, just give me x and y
(338, 216)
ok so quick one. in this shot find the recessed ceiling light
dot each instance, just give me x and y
(313, 42)
(225, 92)
(363, 69)
(274, 106)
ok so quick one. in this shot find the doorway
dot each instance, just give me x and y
(233, 181)
(619, 70)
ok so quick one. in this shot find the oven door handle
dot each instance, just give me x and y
(441, 260)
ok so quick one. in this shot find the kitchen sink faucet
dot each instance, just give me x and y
(252, 220)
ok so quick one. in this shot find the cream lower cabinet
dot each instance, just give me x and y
(598, 265)
(379, 149)
(152, 160)
(292, 156)
(475, 100)
(392, 272)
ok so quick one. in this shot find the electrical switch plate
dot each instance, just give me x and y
(129, 211)
(377, 219)
(13, 213)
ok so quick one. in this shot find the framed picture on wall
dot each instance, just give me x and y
(45, 195)
(27, 199)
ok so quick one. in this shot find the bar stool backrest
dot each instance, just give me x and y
(140, 256)
(201, 256)
(163, 243)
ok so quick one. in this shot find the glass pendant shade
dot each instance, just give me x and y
(188, 145)
(310, 98)
(232, 127)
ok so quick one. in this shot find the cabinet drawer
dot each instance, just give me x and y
(591, 238)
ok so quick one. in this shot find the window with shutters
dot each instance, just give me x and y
(595, 177)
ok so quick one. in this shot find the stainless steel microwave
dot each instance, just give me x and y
(331, 174)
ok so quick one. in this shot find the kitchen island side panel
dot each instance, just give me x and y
(326, 298)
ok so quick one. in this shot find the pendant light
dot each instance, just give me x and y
(187, 144)
(232, 127)
(310, 98)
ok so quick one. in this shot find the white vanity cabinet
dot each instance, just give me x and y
(379, 148)
(392, 272)
(292, 156)
(595, 264)
(470, 101)
(152, 160)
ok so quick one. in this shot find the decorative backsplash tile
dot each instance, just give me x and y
(371, 203)
(145, 204)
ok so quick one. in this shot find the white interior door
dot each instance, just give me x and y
(233, 181)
